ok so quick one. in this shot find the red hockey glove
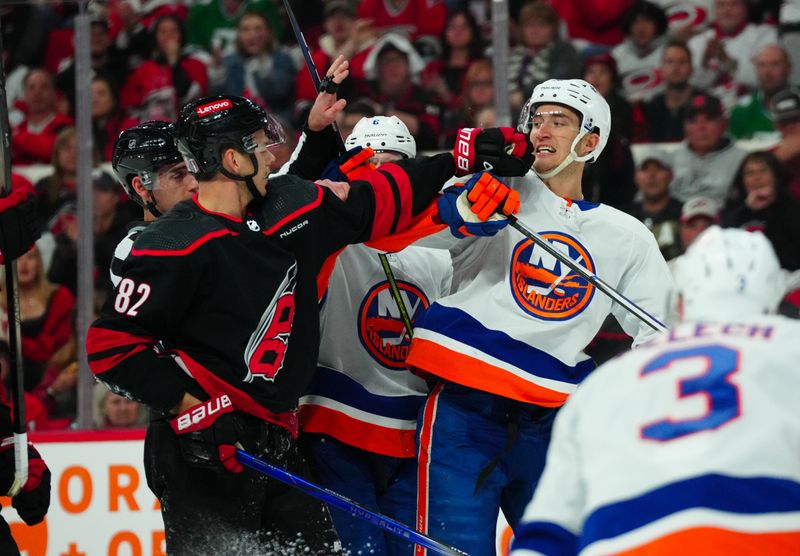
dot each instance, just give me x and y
(473, 208)
(19, 225)
(502, 150)
(33, 500)
(350, 166)
(209, 434)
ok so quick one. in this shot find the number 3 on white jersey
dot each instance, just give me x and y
(125, 292)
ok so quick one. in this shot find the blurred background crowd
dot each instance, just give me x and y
(705, 117)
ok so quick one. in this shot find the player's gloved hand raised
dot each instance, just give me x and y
(350, 166)
(33, 500)
(472, 209)
(19, 225)
(209, 434)
(501, 150)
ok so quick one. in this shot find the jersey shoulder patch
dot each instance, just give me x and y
(178, 232)
(288, 198)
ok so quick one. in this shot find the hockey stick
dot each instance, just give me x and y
(345, 504)
(592, 278)
(312, 69)
(12, 294)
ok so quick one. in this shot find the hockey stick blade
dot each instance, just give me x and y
(345, 504)
(593, 279)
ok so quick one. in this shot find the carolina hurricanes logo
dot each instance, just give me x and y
(380, 326)
(543, 286)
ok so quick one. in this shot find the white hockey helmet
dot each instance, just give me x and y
(729, 273)
(383, 133)
(581, 97)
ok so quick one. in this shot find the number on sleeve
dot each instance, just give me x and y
(722, 396)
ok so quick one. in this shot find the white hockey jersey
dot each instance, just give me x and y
(518, 320)
(688, 445)
(362, 394)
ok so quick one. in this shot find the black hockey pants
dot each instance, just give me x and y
(208, 512)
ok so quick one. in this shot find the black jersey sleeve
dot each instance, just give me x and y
(158, 282)
(316, 150)
(384, 202)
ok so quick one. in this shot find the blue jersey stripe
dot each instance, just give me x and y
(547, 538)
(460, 326)
(340, 387)
(737, 495)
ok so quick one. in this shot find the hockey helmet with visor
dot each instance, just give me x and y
(582, 98)
(209, 125)
(142, 151)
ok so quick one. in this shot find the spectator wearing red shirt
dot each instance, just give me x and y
(32, 140)
(462, 44)
(108, 120)
(156, 89)
(345, 35)
(46, 315)
(413, 18)
(593, 22)
(393, 67)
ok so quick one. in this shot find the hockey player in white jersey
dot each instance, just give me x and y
(689, 444)
(359, 415)
(507, 344)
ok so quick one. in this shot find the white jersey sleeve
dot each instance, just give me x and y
(121, 253)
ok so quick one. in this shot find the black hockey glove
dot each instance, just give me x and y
(33, 500)
(209, 434)
(501, 150)
(19, 225)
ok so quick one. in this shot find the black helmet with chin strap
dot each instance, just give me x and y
(209, 125)
(142, 151)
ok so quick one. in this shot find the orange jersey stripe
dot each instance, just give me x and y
(423, 225)
(711, 541)
(366, 436)
(433, 358)
(423, 463)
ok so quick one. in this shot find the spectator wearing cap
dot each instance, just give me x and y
(211, 25)
(541, 55)
(392, 70)
(786, 117)
(639, 55)
(33, 139)
(760, 200)
(698, 214)
(258, 70)
(705, 163)
(610, 179)
(657, 209)
(660, 119)
(722, 54)
(343, 34)
(410, 18)
(750, 118)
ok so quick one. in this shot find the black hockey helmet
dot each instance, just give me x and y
(208, 125)
(141, 151)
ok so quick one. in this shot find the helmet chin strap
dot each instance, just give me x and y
(248, 180)
(569, 159)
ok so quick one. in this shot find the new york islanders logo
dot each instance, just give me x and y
(380, 326)
(543, 286)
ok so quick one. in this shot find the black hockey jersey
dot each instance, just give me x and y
(210, 304)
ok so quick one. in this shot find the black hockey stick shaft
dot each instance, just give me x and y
(592, 278)
(346, 505)
(12, 296)
(312, 69)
